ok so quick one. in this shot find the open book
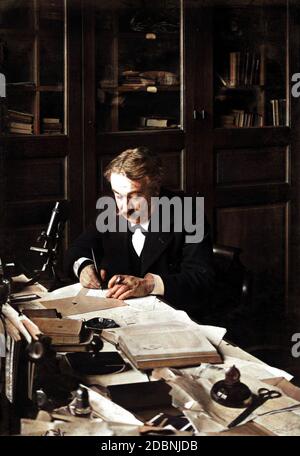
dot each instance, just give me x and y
(163, 344)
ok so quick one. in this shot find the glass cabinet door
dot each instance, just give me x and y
(250, 61)
(32, 53)
(138, 65)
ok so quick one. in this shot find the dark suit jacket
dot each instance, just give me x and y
(185, 268)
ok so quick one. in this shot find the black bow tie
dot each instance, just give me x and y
(132, 229)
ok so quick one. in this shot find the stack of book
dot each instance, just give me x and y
(20, 122)
(51, 126)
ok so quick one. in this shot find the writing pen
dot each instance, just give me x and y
(96, 268)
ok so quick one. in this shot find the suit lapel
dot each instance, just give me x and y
(155, 245)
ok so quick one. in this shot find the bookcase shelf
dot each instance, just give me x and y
(250, 64)
(137, 65)
(32, 60)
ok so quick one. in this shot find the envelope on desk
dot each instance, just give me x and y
(83, 302)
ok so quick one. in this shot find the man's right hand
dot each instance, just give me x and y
(89, 278)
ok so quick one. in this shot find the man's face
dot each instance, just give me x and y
(133, 197)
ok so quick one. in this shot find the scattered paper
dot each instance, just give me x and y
(193, 393)
(64, 292)
(60, 428)
(108, 410)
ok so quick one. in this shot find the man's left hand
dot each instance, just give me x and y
(127, 286)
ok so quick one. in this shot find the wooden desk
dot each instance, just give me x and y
(132, 381)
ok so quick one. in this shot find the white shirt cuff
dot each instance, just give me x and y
(78, 263)
(159, 288)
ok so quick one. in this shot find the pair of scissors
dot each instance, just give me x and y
(263, 395)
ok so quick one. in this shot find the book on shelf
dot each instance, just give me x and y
(157, 122)
(19, 116)
(22, 84)
(241, 118)
(51, 120)
(20, 131)
(163, 344)
(278, 111)
(52, 126)
(244, 70)
(21, 125)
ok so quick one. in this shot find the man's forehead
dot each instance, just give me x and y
(122, 184)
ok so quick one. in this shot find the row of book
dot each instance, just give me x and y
(241, 118)
(278, 111)
(244, 70)
(22, 123)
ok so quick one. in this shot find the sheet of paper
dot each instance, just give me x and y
(284, 424)
(97, 293)
(128, 376)
(108, 410)
(64, 292)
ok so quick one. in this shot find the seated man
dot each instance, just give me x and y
(165, 248)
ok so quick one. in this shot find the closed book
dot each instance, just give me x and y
(12, 112)
(156, 122)
(21, 125)
(20, 131)
(51, 120)
(64, 331)
(72, 343)
(52, 126)
(62, 326)
(21, 119)
(169, 344)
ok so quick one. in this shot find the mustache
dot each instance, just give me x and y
(129, 212)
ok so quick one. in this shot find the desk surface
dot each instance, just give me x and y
(137, 310)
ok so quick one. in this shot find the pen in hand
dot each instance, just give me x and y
(96, 268)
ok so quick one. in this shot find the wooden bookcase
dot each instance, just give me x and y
(32, 41)
(41, 59)
(247, 168)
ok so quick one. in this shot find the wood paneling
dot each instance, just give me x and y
(262, 233)
(35, 179)
(251, 137)
(32, 213)
(115, 143)
(172, 169)
(252, 166)
(35, 146)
